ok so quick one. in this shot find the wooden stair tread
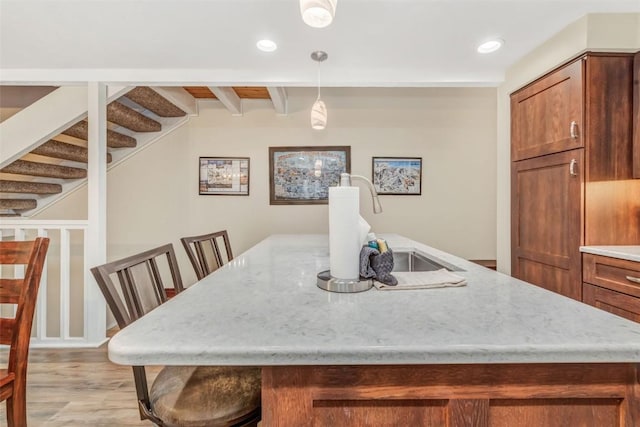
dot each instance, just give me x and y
(26, 167)
(62, 150)
(129, 118)
(18, 204)
(154, 102)
(114, 139)
(29, 187)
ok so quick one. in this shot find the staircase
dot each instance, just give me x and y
(43, 148)
(57, 164)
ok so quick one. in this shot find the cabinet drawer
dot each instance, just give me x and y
(616, 274)
(614, 302)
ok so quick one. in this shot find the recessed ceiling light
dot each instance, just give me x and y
(490, 46)
(267, 45)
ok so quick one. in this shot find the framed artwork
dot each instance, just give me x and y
(397, 175)
(303, 175)
(227, 176)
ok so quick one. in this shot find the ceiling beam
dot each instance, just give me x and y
(229, 99)
(279, 98)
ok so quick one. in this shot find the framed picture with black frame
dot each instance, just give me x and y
(303, 175)
(397, 175)
(224, 176)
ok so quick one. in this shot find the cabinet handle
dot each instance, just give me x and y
(633, 279)
(573, 129)
(572, 167)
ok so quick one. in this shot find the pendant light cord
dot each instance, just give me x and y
(318, 81)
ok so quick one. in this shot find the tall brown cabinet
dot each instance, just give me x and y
(572, 169)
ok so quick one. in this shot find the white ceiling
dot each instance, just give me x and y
(370, 43)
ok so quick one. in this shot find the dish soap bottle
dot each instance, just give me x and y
(372, 242)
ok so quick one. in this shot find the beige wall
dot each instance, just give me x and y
(603, 32)
(153, 197)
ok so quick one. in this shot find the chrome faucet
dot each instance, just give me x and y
(345, 181)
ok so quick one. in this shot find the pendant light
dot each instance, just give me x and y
(319, 110)
(318, 13)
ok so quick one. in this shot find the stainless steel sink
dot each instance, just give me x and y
(418, 261)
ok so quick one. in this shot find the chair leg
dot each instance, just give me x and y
(17, 410)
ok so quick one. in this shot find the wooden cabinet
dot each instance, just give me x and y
(636, 115)
(546, 218)
(455, 395)
(572, 169)
(546, 116)
(612, 285)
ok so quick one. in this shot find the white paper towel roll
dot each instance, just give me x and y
(344, 235)
(363, 231)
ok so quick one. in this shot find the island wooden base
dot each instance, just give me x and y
(523, 395)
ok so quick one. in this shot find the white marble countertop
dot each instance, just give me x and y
(264, 308)
(631, 253)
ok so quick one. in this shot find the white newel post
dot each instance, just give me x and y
(96, 240)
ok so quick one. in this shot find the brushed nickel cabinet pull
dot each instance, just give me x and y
(573, 129)
(633, 279)
(572, 167)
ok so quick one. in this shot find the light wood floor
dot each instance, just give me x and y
(78, 388)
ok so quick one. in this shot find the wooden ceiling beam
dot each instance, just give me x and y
(229, 99)
(279, 98)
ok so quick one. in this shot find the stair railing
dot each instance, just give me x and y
(63, 314)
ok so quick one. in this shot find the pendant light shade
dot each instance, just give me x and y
(318, 13)
(318, 115)
(318, 109)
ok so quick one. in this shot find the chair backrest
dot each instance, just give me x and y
(23, 292)
(205, 252)
(134, 285)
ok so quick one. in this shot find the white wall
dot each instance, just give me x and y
(153, 197)
(599, 32)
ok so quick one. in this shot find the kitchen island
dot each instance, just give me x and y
(497, 352)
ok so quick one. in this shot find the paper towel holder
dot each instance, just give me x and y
(332, 284)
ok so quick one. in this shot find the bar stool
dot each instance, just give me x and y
(186, 396)
(16, 331)
(205, 254)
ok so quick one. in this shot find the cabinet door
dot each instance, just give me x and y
(546, 116)
(546, 221)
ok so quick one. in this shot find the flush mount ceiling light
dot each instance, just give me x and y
(318, 13)
(267, 45)
(490, 46)
(319, 110)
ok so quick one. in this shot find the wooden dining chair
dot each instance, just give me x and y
(205, 252)
(188, 396)
(16, 331)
